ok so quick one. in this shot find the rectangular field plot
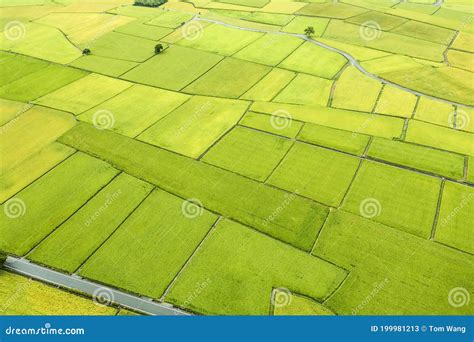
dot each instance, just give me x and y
(237, 265)
(386, 22)
(25, 172)
(193, 127)
(357, 122)
(307, 90)
(84, 94)
(153, 244)
(138, 28)
(315, 60)
(154, 104)
(10, 110)
(221, 191)
(30, 132)
(427, 32)
(395, 197)
(220, 39)
(248, 152)
(397, 102)
(76, 239)
(123, 46)
(356, 91)
(332, 10)
(464, 42)
(345, 141)
(460, 59)
(41, 82)
(270, 18)
(50, 200)
(434, 111)
(392, 262)
(285, 127)
(174, 68)
(439, 137)
(22, 296)
(103, 65)
(14, 67)
(224, 81)
(170, 19)
(270, 49)
(316, 173)
(422, 158)
(456, 215)
(300, 23)
(269, 86)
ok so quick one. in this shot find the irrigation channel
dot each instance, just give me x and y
(100, 292)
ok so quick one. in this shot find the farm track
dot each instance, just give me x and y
(76, 283)
(349, 57)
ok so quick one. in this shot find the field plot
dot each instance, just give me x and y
(316, 173)
(218, 156)
(158, 227)
(248, 152)
(22, 296)
(173, 69)
(416, 197)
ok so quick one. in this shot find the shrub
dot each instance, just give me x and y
(149, 3)
(309, 31)
(158, 48)
(3, 258)
(86, 52)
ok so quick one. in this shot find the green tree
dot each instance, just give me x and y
(3, 257)
(309, 31)
(86, 52)
(158, 48)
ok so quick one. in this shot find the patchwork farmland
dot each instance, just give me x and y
(235, 157)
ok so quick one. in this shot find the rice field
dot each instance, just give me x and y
(239, 157)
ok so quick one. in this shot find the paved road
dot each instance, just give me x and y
(77, 283)
(349, 57)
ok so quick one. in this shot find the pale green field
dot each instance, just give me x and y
(251, 158)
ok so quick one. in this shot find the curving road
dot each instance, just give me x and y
(74, 282)
(349, 57)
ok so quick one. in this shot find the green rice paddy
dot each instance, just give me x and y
(220, 156)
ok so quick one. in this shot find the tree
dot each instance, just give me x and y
(158, 49)
(86, 52)
(309, 31)
(3, 257)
